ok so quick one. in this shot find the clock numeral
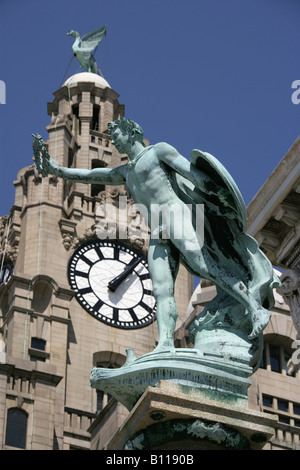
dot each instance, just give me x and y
(143, 277)
(86, 290)
(116, 253)
(133, 315)
(87, 260)
(148, 292)
(115, 314)
(99, 252)
(98, 305)
(146, 307)
(81, 274)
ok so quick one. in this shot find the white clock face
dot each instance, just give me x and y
(113, 284)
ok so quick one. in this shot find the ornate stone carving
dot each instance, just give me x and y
(68, 230)
(290, 291)
(287, 214)
(89, 234)
(180, 429)
(8, 252)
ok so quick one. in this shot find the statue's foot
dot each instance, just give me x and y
(260, 318)
(164, 346)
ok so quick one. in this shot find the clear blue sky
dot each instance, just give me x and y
(214, 75)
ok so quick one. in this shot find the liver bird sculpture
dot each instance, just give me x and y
(83, 48)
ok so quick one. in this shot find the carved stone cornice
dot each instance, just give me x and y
(283, 179)
(274, 213)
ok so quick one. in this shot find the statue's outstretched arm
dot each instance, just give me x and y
(46, 165)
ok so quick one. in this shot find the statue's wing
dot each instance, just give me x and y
(213, 168)
(91, 40)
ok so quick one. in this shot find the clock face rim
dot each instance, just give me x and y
(147, 320)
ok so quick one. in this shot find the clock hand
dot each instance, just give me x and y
(114, 283)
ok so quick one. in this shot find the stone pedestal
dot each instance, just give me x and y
(215, 375)
(174, 417)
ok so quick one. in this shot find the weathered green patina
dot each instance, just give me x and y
(83, 48)
(182, 429)
(229, 330)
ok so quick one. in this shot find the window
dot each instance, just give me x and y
(282, 405)
(296, 408)
(283, 419)
(38, 343)
(97, 188)
(37, 350)
(95, 120)
(267, 400)
(276, 358)
(102, 400)
(106, 360)
(16, 428)
(75, 111)
(287, 412)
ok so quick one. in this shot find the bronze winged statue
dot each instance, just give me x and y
(83, 48)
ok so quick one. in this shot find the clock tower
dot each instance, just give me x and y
(75, 291)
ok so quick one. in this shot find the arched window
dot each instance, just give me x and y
(16, 428)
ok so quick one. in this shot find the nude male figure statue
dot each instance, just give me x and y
(159, 175)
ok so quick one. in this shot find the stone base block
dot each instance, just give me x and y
(170, 416)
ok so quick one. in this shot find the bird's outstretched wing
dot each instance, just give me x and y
(91, 40)
(218, 173)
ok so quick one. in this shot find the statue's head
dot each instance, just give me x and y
(134, 131)
(74, 34)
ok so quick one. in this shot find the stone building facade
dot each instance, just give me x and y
(49, 341)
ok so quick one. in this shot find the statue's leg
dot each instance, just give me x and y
(202, 263)
(163, 263)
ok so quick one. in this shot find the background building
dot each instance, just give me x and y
(50, 341)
